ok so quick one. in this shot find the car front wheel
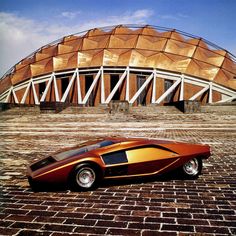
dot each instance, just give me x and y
(85, 177)
(192, 169)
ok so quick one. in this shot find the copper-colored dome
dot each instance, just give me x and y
(122, 46)
(146, 47)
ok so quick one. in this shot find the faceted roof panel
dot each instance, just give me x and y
(136, 46)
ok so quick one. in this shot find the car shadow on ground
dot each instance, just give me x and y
(171, 176)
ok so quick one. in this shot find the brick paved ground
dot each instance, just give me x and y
(157, 206)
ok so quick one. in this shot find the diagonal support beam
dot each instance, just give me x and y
(210, 92)
(36, 100)
(8, 95)
(229, 99)
(141, 88)
(127, 85)
(168, 91)
(78, 87)
(4, 94)
(46, 89)
(68, 87)
(116, 87)
(199, 93)
(3, 99)
(102, 86)
(55, 88)
(15, 97)
(25, 93)
(223, 90)
(91, 87)
(181, 97)
(154, 87)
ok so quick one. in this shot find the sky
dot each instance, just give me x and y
(26, 25)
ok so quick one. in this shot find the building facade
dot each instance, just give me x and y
(140, 64)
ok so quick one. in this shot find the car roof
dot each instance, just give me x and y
(116, 140)
(130, 139)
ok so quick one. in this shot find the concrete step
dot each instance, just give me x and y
(155, 110)
(229, 109)
(22, 111)
(85, 110)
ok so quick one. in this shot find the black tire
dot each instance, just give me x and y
(192, 169)
(85, 177)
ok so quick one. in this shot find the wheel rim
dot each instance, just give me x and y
(191, 167)
(85, 177)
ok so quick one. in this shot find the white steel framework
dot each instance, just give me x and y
(152, 77)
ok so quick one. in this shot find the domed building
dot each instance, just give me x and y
(140, 64)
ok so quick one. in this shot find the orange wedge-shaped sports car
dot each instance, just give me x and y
(84, 166)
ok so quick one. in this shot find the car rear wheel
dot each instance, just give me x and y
(192, 168)
(85, 177)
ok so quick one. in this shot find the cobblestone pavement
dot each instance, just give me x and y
(157, 206)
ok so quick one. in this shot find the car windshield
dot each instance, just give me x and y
(81, 150)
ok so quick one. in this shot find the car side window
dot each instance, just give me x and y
(115, 158)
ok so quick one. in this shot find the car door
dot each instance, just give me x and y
(149, 159)
(116, 163)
